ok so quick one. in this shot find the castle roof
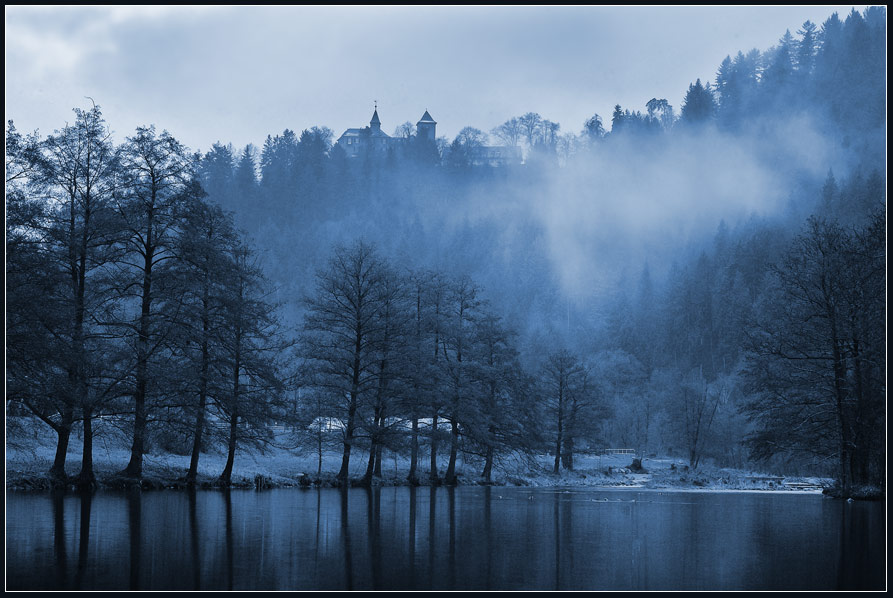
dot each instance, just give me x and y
(362, 132)
(375, 120)
(426, 118)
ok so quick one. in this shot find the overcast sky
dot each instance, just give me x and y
(236, 74)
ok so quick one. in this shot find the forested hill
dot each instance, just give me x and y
(668, 267)
(759, 139)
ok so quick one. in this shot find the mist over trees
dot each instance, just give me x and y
(705, 281)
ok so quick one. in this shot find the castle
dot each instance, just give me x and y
(354, 142)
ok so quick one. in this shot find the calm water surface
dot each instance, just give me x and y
(463, 538)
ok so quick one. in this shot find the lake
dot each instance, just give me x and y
(443, 538)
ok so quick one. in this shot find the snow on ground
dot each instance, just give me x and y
(31, 456)
(660, 473)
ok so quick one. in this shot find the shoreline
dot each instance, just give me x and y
(164, 477)
(27, 468)
(41, 484)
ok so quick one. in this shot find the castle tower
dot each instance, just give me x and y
(425, 127)
(375, 123)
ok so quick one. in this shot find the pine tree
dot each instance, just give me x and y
(699, 106)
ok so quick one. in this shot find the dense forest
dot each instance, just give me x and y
(707, 282)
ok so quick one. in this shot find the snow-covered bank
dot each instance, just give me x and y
(666, 473)
(28, 460)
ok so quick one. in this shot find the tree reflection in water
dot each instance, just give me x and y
(475, 538)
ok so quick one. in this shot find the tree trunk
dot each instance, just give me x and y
(434, 476)
(413, 452)
(374, 465)
(63, 430)
(134, 468)
(491, 431)
(348, 440)
(560, 439)
(839, 392)
(378, 424)
(373, 445)
(859, 467)
(378, 450)
(379, 445)
(226, 477)
(352, 408)
(319, 454)
(86, 479)
(198, 429)
(450, 477)
(488, 464)
(414, 436)
(567, 455)
(198, 432)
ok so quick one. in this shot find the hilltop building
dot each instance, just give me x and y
(496, 155)
(356, 141)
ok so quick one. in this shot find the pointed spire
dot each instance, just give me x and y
(426, 118)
